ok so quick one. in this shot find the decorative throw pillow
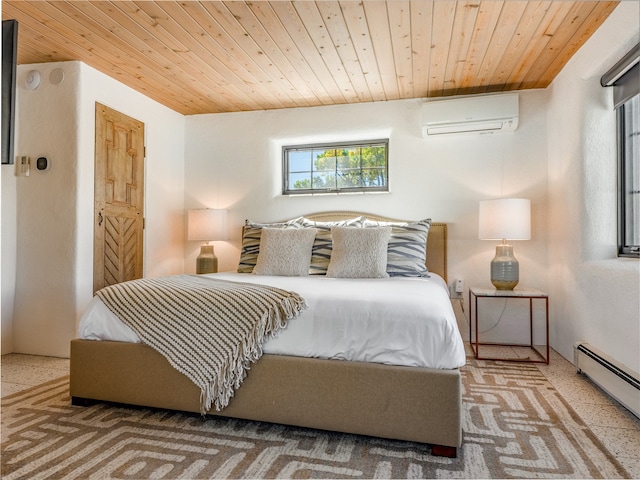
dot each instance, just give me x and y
(321, 252)
(251, 234)
(285, 251)
(359, 252)
(407, 251)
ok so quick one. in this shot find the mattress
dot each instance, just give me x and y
(396, 321)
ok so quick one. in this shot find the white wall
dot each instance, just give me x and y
(595, 294)
(45, 212)
(233, 161)
(8, 240)
(52, 241)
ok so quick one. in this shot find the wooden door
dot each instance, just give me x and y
(119, 198)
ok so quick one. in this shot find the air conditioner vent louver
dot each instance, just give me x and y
(476, 114)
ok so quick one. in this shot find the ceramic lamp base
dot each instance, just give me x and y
(505, 270)
(207, 262)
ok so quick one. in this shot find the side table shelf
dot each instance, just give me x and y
(538, 355)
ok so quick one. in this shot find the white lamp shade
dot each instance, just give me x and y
(505, 219)
(207, 224)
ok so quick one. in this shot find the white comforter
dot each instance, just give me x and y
(396, 321)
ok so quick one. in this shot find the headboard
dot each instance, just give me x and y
(436, 241)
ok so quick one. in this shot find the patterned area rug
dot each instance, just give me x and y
(516, 425)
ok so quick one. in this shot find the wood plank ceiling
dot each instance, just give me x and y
(213, 56)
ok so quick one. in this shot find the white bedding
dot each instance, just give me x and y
(397, 321)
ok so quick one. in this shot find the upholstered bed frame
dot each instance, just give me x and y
(403, 403)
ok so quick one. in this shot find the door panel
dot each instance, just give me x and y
(119, 198)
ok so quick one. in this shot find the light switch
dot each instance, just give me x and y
(22, 166)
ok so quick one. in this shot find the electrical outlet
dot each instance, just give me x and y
(459, 286)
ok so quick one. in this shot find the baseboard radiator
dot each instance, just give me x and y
(617, 380)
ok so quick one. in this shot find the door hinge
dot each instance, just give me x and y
(144, 223)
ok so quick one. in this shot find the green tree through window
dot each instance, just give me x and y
(336, 167)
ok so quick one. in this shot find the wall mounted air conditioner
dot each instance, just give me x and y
(474, 114)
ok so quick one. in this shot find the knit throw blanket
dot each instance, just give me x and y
(211, 330)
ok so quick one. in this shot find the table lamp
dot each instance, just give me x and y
(505, 219)
(207, 225)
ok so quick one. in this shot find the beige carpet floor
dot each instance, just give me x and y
(515, 424)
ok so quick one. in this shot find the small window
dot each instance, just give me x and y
(629, 178)
(336, 168)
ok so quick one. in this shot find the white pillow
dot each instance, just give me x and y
(359, 252)
(321, 252)
(285, 251)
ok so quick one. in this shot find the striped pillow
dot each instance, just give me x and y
(321, 251)
(407, 250)
(251, 235)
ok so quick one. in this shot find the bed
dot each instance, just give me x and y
(366, 396)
